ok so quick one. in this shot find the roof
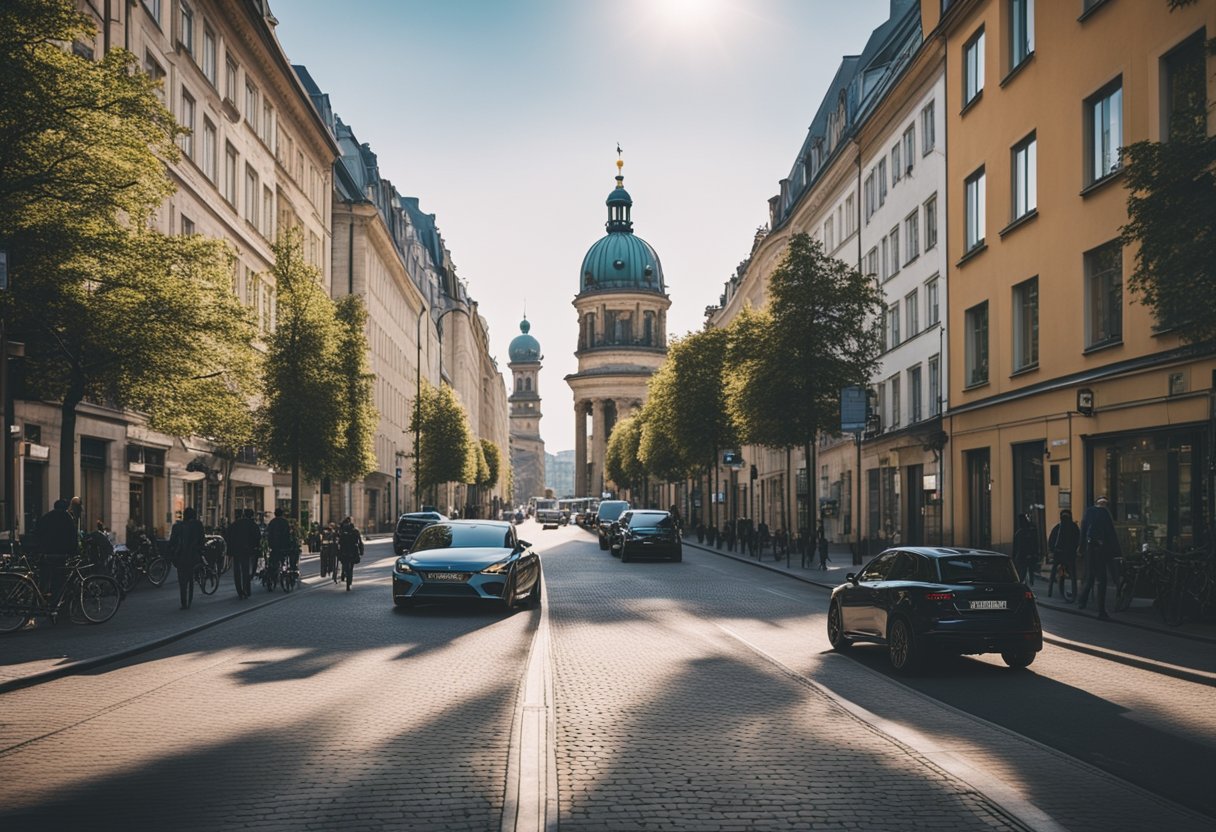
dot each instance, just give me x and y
(943, 551)
(621, 260)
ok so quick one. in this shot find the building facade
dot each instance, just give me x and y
(1064, 387)
(527, 446)
(622, 312)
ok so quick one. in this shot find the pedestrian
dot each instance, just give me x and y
(762, 529)
(329, 550)
(729, 534)
(55, 534)
(350, 550)
(1101, 548)
(244, 542)
(1062, 543)
(1026, 549)
(185, 549)
(700, 532)
(281, 541)
(823, 548)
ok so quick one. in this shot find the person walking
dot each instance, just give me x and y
(1026, 549)
(329, 550)
(823, 549)
(1062, 543)
(350, 550)
(1101, 548)
(281, 542)
(244, 540)
(55, 535)
(186, 549)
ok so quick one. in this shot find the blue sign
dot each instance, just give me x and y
(852, 409)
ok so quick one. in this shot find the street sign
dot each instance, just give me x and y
(398, 473)
(852, 409)
(733, 459)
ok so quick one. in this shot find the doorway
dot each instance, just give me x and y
(979, 493)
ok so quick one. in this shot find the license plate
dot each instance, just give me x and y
(989, 605)
(447, 577)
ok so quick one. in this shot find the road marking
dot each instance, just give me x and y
(782, 594)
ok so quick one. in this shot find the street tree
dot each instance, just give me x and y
(622, 458)
(789, 363)
(302, 415)
(354, 455)
(447, 443)
(493, 457)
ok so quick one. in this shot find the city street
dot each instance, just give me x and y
(695, 696)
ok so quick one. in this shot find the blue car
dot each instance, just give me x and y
(472, 560)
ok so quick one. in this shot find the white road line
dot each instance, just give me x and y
(782, 594)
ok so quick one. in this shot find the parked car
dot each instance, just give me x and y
(646, 534)
(920, 600)
(609, 512)
(408, 527)
(475, 560)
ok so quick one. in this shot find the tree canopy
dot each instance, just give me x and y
(354, 456)
(622, 460)
(493, 457)
(448, 451)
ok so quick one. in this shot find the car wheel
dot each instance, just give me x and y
(1018, 659)
(836, 636)
(533, 599)
(603, 543)
(905, 653)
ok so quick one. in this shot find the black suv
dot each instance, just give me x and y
(408, 526)
(610, 511)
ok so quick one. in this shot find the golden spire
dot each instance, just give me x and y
(620, 164)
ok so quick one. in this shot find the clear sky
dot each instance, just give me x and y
(503, 117)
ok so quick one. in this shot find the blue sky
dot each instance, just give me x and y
(503, 117)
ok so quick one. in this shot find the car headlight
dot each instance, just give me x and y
(403, 567)
(498, 568)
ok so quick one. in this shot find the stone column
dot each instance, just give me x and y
(581, 488)
(599, 447)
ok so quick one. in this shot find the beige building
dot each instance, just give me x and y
(622, 312)
(527, 446)
(258, 159)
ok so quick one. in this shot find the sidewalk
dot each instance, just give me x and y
(1136, 637)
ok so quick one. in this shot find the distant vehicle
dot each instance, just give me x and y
(408, 527)
(475, 560)
(548, 513)
(916, 600)
(646, 534)
(578, 509)
(609, 512)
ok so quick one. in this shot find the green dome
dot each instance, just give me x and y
(524, 348)
(622, 260)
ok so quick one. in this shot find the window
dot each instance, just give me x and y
(896, 404)
(976, 344)
(250, 279)
(912, 312)
(1021, 31)
(153, 7)
(914, 394)
(156, 72)
(909, 149)
(932, 308)
(974, 212)
(186, 140)
(230, 69)
(267, 131)
(912, 236)
(1104, 295)
(264, 312)
(928, 129)
(187, 34)
(252, 106)
(935, 385)
(251, 196)
(893, 326)
(187, 226)
(829, 238)
(897, 169)
(230, 174)
(885, 245)
(1184, 103)
(930, 222)
(895, 263)
(850, 215)
(267, 212)
(1025, 190)
(1104, 126)
(881, 176)
(973, 68)
(209, 56)
(209, 148)
(870, 196)
(872, 263)
(1026, 324)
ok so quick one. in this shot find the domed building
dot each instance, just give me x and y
(622, 323)
(527, 448)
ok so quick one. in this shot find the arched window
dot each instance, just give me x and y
(590, 329)
(648, 329)
(528, 384)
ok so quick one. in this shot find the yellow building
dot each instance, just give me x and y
(1061, 386)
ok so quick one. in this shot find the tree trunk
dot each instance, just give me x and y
(67, 439)
(295, 477)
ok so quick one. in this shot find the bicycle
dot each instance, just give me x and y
(211, 566)
(89, 598)
(140, 562)
(289, 576)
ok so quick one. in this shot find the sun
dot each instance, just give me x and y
(687, 13)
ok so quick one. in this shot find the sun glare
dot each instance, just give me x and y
(688, 13)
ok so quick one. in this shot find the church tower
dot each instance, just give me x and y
(527, 448)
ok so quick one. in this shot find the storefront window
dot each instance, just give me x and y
(1155, 487)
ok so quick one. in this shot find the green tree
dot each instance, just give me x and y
(493, 457)
(622, 458)
(355, 455)
(447, 453)
(300, 421)
(789, 363)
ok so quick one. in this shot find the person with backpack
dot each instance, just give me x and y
(244, 542)
(1063, 543)
(350, 549)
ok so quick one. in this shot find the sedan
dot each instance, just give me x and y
(920, 600)
(477, 560)
(646, 534)
(609, 512)
(408, 527)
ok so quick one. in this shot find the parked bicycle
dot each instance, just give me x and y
(278, 574)
(87, 598)
(212, 565)
(139, 562)
(1181, 584)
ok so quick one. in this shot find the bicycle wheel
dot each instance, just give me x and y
(16, 602)
(289, 579)
(158, 571)
(267, 579)
(1126, 590)
(125, 574)
(208, 578)
(99, 598)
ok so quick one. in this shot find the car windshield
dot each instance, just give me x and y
(444, 536)
(650, 520)
(977, 569)
(613, 510)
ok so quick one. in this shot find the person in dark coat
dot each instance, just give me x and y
(329, 550)
(56, 538)
(350, 550)
(244, 540)
(823, 548)
(1062, 543)
(1026, 549)
(186, 548)
(1101, 548)
(281, 542)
